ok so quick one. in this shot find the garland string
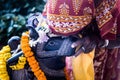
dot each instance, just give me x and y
(30, 57)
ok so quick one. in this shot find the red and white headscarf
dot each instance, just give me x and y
(67, 17)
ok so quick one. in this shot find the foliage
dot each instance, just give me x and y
(13, 16)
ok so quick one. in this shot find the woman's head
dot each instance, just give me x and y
(68, 17)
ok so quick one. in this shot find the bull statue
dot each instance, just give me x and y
(49, 52)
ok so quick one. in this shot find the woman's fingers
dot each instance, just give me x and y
(78, 52)
(89, 47)
(77, 43)
(84, 45)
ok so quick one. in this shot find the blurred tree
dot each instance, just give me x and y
(13, 15)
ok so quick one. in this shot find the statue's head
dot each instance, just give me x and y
(48, 44)
(51, 54)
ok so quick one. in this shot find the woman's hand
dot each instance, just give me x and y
(85, 44)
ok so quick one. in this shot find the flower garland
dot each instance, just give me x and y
(30, 57)
(20, 65)
(4, 56)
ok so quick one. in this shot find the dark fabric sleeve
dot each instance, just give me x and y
(118, 24)
(116, 43)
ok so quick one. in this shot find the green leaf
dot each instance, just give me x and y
(15, 10)
(2, 26)
(7, 16)
(27, 5)
(17, 26)
(10, 29)
(21, 20)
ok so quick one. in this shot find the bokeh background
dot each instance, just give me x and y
(13, 16)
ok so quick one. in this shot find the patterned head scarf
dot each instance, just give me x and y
(67, 17)
(107, 16)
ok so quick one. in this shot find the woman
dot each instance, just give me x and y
(74, 18)
(106, 61)
(104, 35)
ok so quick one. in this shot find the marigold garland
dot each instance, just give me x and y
(30, 58)
(20, 65)
(4, 56)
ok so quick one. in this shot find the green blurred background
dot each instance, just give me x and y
(13, 16)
